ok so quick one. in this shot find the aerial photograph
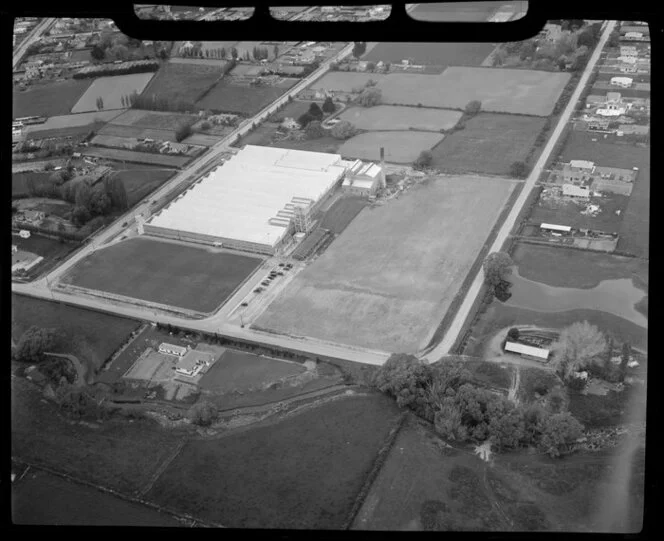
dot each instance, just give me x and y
(352, 285)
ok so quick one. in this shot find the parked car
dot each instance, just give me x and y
(281, 264)
(245, 304)
(124, 224)
(265, 283)
(258, 290)
(280, 273)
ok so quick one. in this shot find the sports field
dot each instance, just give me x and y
(440, 55)
(303, 472)
(111, 90)
(168, 273)
(225, 97)
(50, 99)
(488, 144)
(345, 81)
(500, 90)
(394, 117)
(47, 500)
(183, 82)
(395, 270)
(400, 146)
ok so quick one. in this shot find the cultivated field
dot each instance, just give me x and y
(183, 82)
(50, 99)
(72, 121)
(345, 81)
(489, 144)
(136, 157)
(388, 117)
(46, 500)
(239, 372)
(342, 213)
(244, 100)
(302, 472)
(136, 132)
(151, 267)
(139, 180)
(400, 146)
(440, 55)
(500, 90)
(111, 90)
(92, 336)
(407, 257)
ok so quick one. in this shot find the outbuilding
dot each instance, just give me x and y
(539, 354)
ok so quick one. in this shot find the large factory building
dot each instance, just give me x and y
(253, 202)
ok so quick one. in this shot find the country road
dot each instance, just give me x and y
(456, 325)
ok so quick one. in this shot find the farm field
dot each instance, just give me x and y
(111, 90)
(500, 90)
(241, 372)
(345, 81)
(50, 99)
(150, 268)
(324, 144)
(136, 132)
(342, 213)
(72, 121)
(203, 139)
(44, 499)
(139, 180)
(294, 109)
(466, 12)
(400, 146)
(394, 117)
(93, 336)
(78, 132)
(489, 144)
(407, 257)
(245, 100)
(183, 82)
(116, 454)
(635, 229)
(440, 55)
(20, 181)
(151, 124)
(136, 157)
(302, 472)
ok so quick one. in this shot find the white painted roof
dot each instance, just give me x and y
(555, 227)
(238, 199)
(527, 350)
(582, 164)
(579, 191)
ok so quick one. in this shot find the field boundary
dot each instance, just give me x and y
(162, 468)
(132, 499)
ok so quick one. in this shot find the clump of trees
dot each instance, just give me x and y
(519, 169)
(497, 267)
(444, 393)
(370, 97)
(577, 348)
(473, 107)
(343, 130)
(203, 413)
(183, 131)
(423, 160)
(315, 130)
(329, 106)
(34, 342)
(359, 48)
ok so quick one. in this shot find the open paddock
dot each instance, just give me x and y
(136, 157)
(407, 259)
(489, 144)
(500, 90)
(226, 97)
(21, 180)
(293, 109)
(72, 121)
(136, 132)
(156, 120)
(111, 90)
(342, 213)
(400, 146)
(183, 82)
(204, 276)
(50, 99)
(345, 81)
(203, 139)
(77, 133)
(394, 117)
(139, 180)
(440, 55)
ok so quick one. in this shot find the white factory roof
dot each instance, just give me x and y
(238, 199)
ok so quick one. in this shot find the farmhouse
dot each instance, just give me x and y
(171, 349)
(577, 171)
(251, 202)
(599, 179)
(193, 363)
(538, 354)
(623, 82)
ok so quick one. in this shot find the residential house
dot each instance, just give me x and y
(578, 171)
(171, 349)
(573, 190)
(31, 216)
(623, 82)
(194, 362)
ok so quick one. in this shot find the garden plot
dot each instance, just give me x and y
(489, 144)
(394, 117)
(111, 90)
(500, 90)
(400, 146)
(408, 259)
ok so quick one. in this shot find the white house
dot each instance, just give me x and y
(193, 363)
(171, 349)
(623, 82)
(634, 36)
(576, 191)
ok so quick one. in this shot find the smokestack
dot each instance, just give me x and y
(383, 183)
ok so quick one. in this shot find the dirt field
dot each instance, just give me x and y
(345, 81)
(151, 267)
(241, 372)
(302, 472)
(400, 146)
(500, 90)
(49, 99)
(245, 100)
(46, 500)
(111, 90)
(489, 144)
(441, 55)
(386, 117)
(186, 82)
(394, 271)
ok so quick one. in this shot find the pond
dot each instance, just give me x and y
(616, 297)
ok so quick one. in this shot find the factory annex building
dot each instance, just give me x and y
(253, 202)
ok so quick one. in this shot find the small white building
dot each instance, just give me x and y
(582, 164)
(572, 190)
(634, 36)
(171, 349)
(557, 228)
(539, 354)
(193, 363)
(623, 82)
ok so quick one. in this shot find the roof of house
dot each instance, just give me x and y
(172, 347)
(192, 358)
(515, 347)
(571, 189)
(581, 164)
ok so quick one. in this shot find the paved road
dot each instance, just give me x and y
(464, 310)
(34, 35)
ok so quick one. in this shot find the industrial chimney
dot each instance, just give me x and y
(383, 183)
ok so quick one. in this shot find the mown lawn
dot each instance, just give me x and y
(302, 472)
